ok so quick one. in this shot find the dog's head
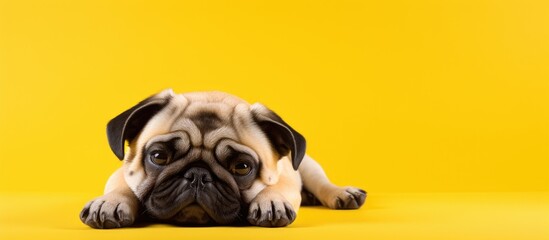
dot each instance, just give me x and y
(199, 158)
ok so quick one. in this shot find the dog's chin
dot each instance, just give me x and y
(196, 215)
(193, 215)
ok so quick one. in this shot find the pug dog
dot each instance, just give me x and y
(210, 158)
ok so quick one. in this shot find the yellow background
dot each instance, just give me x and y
(392, 96)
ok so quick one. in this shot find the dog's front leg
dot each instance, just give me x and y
(277, 205)
(117, 208)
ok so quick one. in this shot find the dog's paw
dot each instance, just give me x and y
(346, 198)
(109, 212)
(271, 210)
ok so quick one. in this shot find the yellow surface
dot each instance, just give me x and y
(386, 216)
(393, 96)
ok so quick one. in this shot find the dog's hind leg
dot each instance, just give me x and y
(316, 182)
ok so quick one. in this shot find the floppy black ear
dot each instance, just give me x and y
(128, 124)
(283, 137)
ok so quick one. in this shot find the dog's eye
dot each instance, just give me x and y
(240, 168)
(159, 157)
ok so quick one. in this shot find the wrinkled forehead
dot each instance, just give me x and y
(207, 118)
(209, 111)
(207, 122)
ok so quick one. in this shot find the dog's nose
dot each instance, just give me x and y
(198, 176)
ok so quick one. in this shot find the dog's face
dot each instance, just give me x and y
(199, 158)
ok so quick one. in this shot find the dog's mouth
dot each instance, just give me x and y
(194, 198)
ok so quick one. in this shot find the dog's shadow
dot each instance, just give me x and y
(144, 222)
(309, 216)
